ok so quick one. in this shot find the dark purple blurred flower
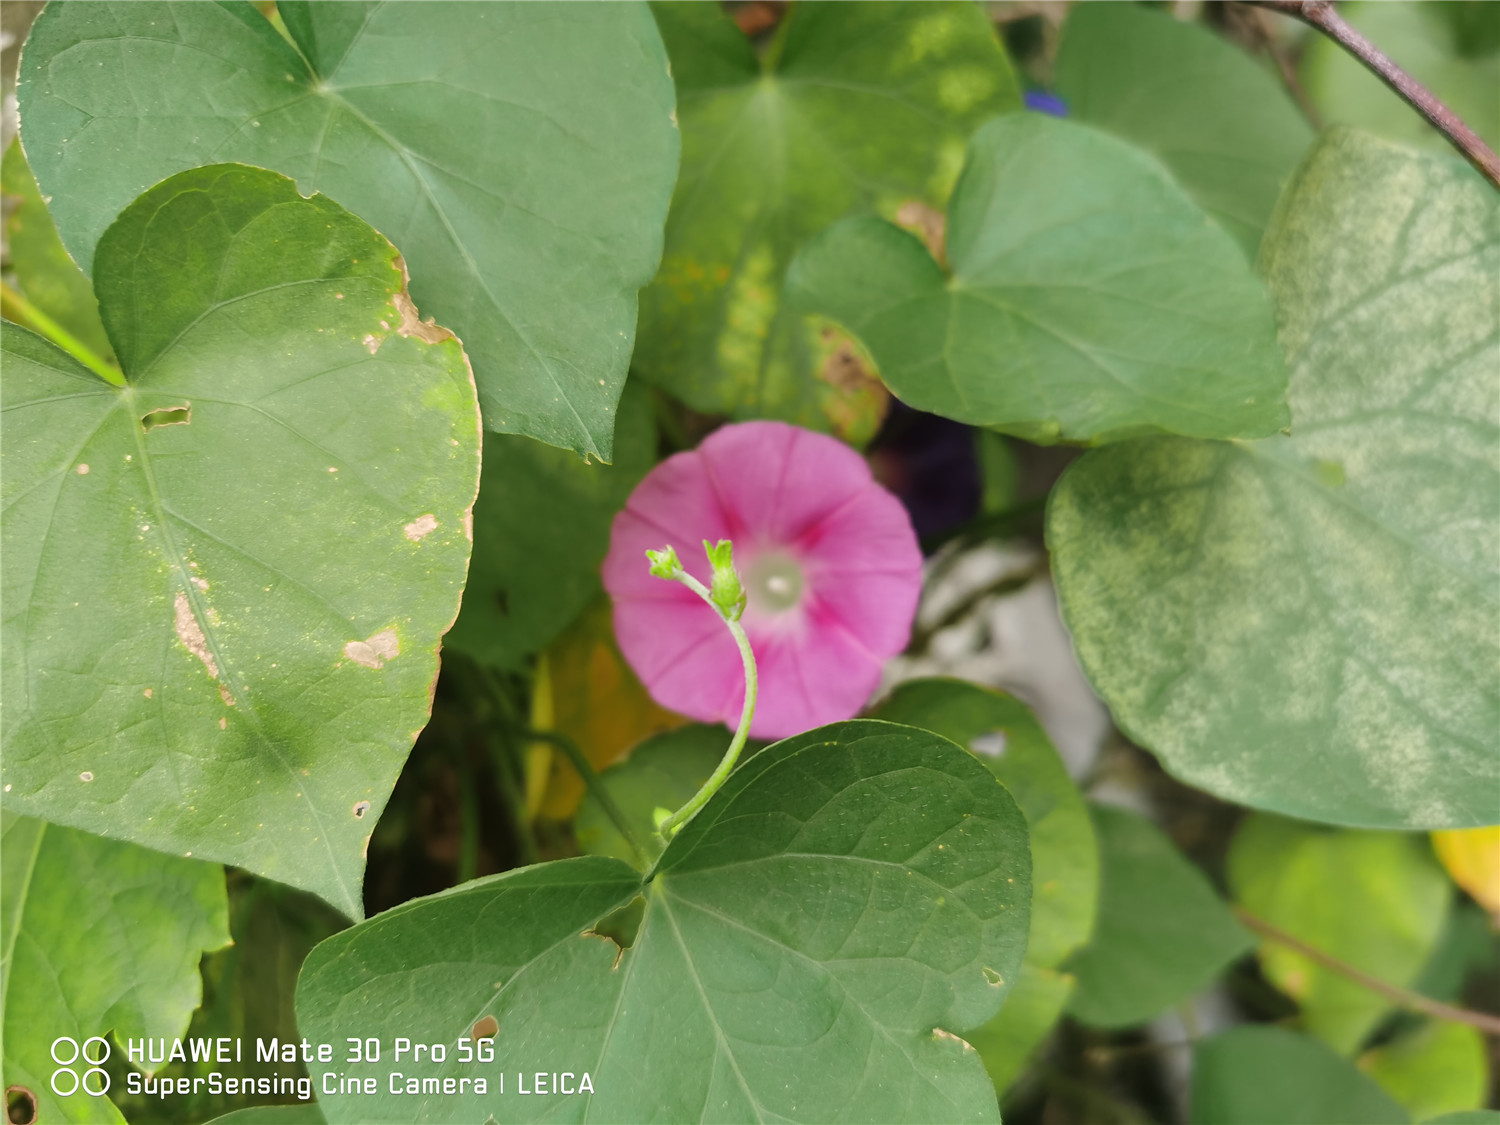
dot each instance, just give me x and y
(1043, 102)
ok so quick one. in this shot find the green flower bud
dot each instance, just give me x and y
(665, 564)
(726, 591)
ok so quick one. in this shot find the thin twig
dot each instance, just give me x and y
(1321, 15)
(1403, 997)
(594, 784)
(1260, 27)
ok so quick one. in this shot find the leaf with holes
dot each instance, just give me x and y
(475, 136)
(812, 944)
(99, 936)
(225, 581)
(854, 108)
(1306, 624)
(1085, 297)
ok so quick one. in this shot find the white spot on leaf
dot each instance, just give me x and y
(421, 527)
(86, 775)
(83, 470)
(371, 343)
(374, 652)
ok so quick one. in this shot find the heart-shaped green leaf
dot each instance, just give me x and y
(1306, 624)
(98, 936)
(521, 155)
(1087, 298)
(1004, 735)
(811, 943)
(1268, 1075)
(1220, 120)
(225, 581)
(853, 108)
(1163, 933)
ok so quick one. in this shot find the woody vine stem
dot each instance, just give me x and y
(1321, 15)
(727, 598)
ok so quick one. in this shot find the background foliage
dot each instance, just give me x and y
(1174, 305)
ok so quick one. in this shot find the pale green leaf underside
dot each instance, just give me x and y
(1222, 122)
(864, 107)
(1087, 298)
(812, 943)
(1306, 624)
(225, 583)
(1375, 900)
(98, 936)
(520, 155)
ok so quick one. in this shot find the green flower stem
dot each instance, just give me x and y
(13, 302)
(728, 601)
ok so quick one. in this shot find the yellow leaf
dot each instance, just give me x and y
(1472, 857)
(595, 699)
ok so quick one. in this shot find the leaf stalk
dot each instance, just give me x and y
(22, 311)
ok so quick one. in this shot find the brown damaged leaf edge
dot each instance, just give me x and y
(429, 332)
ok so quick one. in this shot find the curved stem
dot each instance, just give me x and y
(673, 824)
(1321, 15)
(44, 324)
(1404, 997)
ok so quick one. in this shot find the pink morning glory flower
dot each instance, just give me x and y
(830, 566)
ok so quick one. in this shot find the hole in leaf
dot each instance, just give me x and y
(993, 977)
(166, 416)
(485, 1027)
(20, 1105)
(620, 926)
(360, 808)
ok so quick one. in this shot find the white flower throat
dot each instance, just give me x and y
(774, 582)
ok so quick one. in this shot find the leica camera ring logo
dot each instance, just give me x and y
(72, 1058)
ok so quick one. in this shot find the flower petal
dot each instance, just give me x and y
(777, 481)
